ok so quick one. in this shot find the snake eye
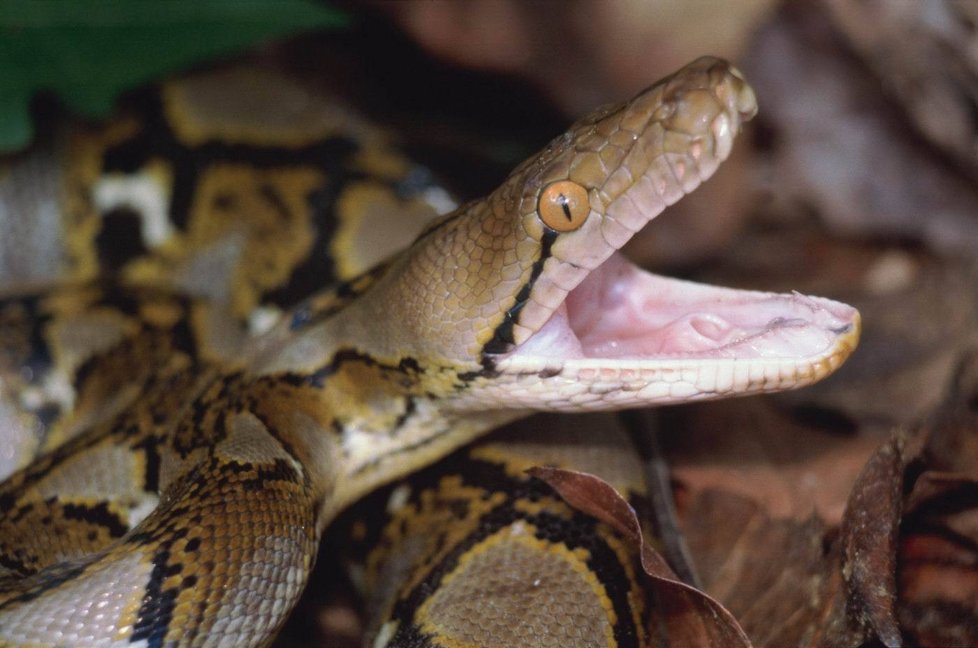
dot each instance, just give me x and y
(564, 206)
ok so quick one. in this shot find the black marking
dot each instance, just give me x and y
(27, 311)
(183, 339)
(151, 458)
(19, 512)
(16, 566)
(279, 471)
(156, 610)
(98, 514)
(50, 578)
(407, 367)
(272, 431)
(120, 238)
(410, 407)
(566, 208)
(334, 157)
(577, 531)
(307, 313)
(300, 318)
(502, 339)
(410, 365)
(318, 377)
(488, 371)
(47, 414)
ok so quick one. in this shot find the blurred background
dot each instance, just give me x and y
(857, 181)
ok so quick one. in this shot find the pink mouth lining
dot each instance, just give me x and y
(624, 313)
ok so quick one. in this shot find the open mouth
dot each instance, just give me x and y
(627, 316)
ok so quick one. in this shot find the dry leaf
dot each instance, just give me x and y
(683, 615)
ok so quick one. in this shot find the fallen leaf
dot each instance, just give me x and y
(869, 540)
(682, 615)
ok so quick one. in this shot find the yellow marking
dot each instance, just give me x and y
(83, 168)
(382, 162)
(429, 513)
(248, 229)
(443, 615)
(161, 313)
(514, 465)
(551, 505)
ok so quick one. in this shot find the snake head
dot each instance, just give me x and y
(591, 189)
(524, 295)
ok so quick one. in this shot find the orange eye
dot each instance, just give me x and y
(564, 206)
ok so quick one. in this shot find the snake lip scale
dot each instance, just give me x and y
(188, 508)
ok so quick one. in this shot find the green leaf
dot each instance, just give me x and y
(88, 51)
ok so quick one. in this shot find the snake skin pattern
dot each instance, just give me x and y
(192, 465)
(474, 551)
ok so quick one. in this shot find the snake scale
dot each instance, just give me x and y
(176, 459)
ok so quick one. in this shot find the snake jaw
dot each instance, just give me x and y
(636, 338)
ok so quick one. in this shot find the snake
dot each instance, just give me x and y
(194, 466)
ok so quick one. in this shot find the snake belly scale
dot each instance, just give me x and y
(187, 508)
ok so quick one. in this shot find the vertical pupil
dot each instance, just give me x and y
(564, 204)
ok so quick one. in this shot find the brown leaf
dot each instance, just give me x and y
(760, 492)
(778, 576)
(685, 615)
(770, 455)
(870, 527)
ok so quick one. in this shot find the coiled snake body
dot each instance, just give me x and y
(186, 507)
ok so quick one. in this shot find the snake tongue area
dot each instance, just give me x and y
(676, 340)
